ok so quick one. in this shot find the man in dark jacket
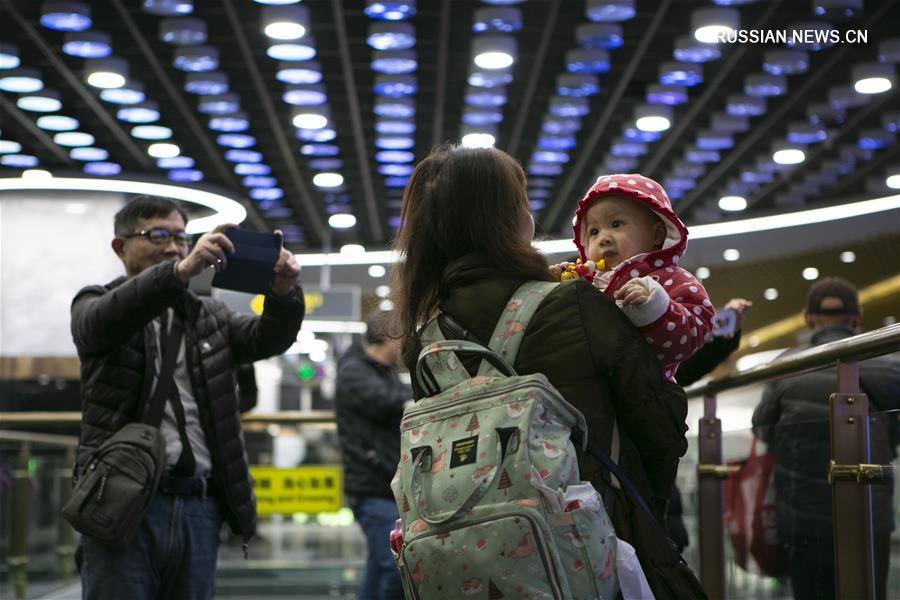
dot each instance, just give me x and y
(792, 419)
(370, 400)
(119, 329)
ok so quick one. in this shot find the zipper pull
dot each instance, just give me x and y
(246, 548)
(103, 484)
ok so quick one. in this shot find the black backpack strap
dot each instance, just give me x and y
(598, 453)
(166, 374)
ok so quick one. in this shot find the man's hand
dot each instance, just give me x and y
(739, 306)
(287, 271)
(212, 249)
(632, 293)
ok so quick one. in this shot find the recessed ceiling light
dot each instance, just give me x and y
(328, 180)
(848, 256)
(701, 273)
(731, 254)
(494, 51)
(342, 220)
(382, 291)
(478, 140)
(352, 250)
(386, 305)
(163, 150)
(377, 271)
(810, 273)
(732, 203)
(770, 294)
(788, 155)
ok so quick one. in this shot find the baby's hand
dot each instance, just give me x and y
(556, 271)
(632, 293)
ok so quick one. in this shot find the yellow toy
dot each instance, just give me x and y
(579, 269)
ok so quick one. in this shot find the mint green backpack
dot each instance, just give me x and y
(488, 486)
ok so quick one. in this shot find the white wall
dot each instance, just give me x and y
(51, 245)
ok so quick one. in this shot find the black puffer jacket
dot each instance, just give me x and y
(369, 399)
(792, 418)
(111, 328)
(595, 357)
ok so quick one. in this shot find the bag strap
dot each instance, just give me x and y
(166, 371)
(598, 453)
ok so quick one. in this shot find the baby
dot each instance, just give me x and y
(626, 226)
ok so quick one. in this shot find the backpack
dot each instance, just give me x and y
(488, 486)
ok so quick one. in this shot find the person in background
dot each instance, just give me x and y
(118, 330)
(369, 400)
(710, 356)
(793, 418)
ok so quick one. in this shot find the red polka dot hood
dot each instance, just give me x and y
(647, 192)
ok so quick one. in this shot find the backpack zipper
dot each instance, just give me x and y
(103, 484)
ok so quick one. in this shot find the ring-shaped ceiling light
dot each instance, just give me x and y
(227, 209)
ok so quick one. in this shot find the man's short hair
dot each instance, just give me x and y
(144, 207)
(832, 296)
(377, 327)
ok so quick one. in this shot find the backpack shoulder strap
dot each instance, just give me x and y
(514, 320)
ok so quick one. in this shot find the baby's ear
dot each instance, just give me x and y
(659, 235)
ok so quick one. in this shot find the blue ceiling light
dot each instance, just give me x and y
(320, 150)
(757, 177)
(19, 161)
(628, 149)
(394, 62)
(481, 116)
(219, 104)
(104, 169)
(146, 112)
(541, 182)
(503, 2)
(490, 78)
(745, 106)
(556, 142)
(583, 60)
(697, 155)
(811, 35)
(485, 97)
(678, 183)
(610, 11)
(577, 84)
(633, 134)
(875, 139)
(394, 10)
(311, 94)
(395, 126)
(806, 133)
(196, 59)
(10, 147)
(87, 44)
(183, 31)
(711, 140)
(890, 121)
(316, 135)
(21, 80)
(395, 170)
(185, 175)
(394, 221)
(257, 181)
(666, 95)
(236, 140)
(561, 106)
(395, 182)
(536, 204)
(210, 83)
(151, 132)
(394, 142)
(395, 86)
(824, 112)
(786, 62)
(538, 193)
(232, 123)
(401, 108)
(688, 170)
(394, 156)
(130, 93)
(71, 139)
(66, 16)
(499, 20)
(175, 162)
(688, 49)
(252, 169)
(169, 8)
(391, 36)
(680, 73)
(844, 96)
(561, 125)
(599, 36)
(57, 123)
(88, 154)
(299, 73)
(294, 51)
(545, 169)
(269, 194)
(278, 212)
(239, 156)
(765, 85)
(325, 164)
(9, 56)
(723, 123)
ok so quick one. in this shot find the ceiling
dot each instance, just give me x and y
(709, 151)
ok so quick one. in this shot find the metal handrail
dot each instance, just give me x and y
(74, 417)
(859, 347)
(49, 439)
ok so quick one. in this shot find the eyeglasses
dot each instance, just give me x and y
(161, 236)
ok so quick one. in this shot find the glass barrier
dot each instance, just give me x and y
(777, 507)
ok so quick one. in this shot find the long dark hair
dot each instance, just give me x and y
(458, 201)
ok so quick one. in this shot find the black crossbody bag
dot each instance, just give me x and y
(118, 481)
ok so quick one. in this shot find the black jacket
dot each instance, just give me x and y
(112, 330)
(369, 399)
(711, 355)
(792, 419)
(597, 360)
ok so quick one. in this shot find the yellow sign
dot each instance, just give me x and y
(312, 489)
